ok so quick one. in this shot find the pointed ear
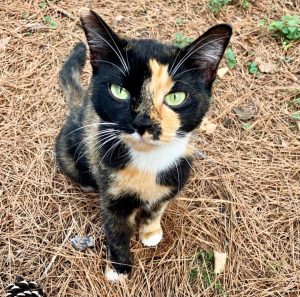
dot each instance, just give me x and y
(102, 40)
(207, 51)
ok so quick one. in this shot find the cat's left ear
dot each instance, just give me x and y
(207, 50)
(103, 41)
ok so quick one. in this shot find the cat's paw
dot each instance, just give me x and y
(152, 238)
(114, 276)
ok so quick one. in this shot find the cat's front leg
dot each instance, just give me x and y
(117, 214)
(151, 232)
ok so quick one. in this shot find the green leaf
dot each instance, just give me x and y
(24, 15)
(245, 4)
(217, 5)
(179, 21)
(295, 115)
(181, 41)
(47, 19)
(53, 25)
(231, 59)
(193, 275)
(297, 101)
(247, 126)
(262, 22)
(287, 28)
(292, 22)
(42, 5)
(253, 68)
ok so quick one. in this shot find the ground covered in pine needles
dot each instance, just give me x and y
(243, 197)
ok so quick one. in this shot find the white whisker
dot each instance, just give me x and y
(92, 43)
(191, 52)
(104, 25)
(104, 61)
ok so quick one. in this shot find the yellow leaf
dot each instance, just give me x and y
(222, 71)
(220, 261)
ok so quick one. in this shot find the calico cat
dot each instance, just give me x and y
(127, 135)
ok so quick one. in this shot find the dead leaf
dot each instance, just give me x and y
(252, 40)
(207, 126)
(266, 67)
(220, 261)
(222, 71)
(4, 42)
(245, 112)
(34, 27)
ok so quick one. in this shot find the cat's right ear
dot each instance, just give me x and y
(102, 40)
(207, 50)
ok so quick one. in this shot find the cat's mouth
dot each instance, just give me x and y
(139, 142)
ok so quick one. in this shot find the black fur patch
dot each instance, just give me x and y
(176, 176)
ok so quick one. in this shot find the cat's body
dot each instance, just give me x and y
(126, 135)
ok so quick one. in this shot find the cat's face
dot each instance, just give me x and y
(152, 92)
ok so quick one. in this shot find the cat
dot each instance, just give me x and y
(128, 134)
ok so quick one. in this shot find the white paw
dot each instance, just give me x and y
(152, 239)
(114, 276)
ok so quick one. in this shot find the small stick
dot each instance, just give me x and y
(64, 12)
(55, 256)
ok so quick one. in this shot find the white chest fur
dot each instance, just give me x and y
(161, 158)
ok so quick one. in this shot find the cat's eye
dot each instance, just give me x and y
(119, 92)
(174, 99)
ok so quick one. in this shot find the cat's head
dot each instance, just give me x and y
(155, 93)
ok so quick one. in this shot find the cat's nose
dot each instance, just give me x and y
(141, 123)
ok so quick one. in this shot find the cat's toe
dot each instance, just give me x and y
(151, 238)
(114, 276)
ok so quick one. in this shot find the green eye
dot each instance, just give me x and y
(176, 98)
(119, 92)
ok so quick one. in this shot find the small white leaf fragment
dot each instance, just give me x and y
(220, 261)
(207, 126)
(222, 71)
(4, 42)
(284, 144)
(119, 18)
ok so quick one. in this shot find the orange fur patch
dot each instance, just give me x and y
(169, 124)
(132, 180)
(160, 85)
